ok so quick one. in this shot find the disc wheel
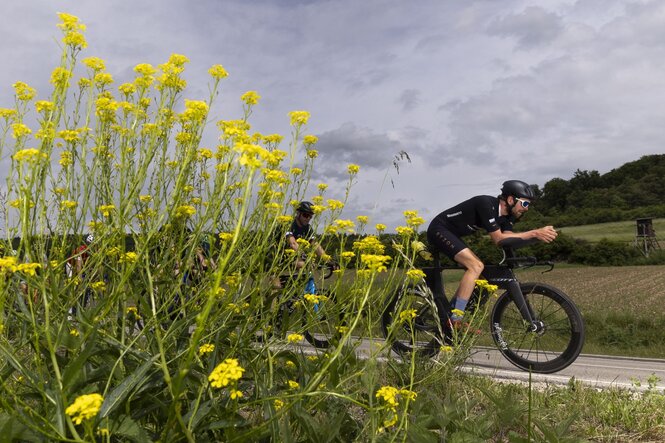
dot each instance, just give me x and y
(559, 330)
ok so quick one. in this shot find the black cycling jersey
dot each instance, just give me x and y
(480, 212)
(305, 232)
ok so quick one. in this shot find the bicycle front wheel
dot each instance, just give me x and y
(557, 340)
(323, 320)
(411, 323)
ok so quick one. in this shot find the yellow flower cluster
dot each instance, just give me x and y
(229, 371)
(412, 219)
(7, 113)
(146, 75)
(369, 244)
(85, 407)
(310, 140)
(225, 236)
(342, 226)
(380, 227)
(415, 274)
(250, 98)
(10, 264)
(217, 72)
(105, 108)
(294, 338)
(315, 299)
(353, 169)
(20, 130)
(404, 231)
(318, 208)
(362, 219)
(335, 204)
(68, 204)
(206, 349)
(133, 312)
(407, 315)
(29, 155)
(486, 286)
(299, 118)
(60, 77)
(129, 257)
(44, 106)
(391, 396)
(73, 31)
(94, 63)
(375, 262)
(106, 209)
(348, 255)
(24, 92)
(98, 286)
(195, 111)
(102, 79)
(185, 211)
(171, 71)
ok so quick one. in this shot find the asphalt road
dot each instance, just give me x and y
(594, 370)
(638, 374)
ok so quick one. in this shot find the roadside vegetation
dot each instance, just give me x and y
(178, 335)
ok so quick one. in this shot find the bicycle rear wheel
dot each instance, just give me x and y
(411, 324)
(558, 340)
(323, 321)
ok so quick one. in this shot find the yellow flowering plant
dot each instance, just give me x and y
(147, 262)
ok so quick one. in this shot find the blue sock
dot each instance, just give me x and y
(461, 305)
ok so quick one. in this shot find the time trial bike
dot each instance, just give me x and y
(535, 326)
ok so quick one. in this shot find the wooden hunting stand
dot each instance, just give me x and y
(645, 239)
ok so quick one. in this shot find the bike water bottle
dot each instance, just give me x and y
(310, 288)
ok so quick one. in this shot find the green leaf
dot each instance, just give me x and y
(421, 434)
(73, 369)
(126, 427)
(13, 430)
(123, 389)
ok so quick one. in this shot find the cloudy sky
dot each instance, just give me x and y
(475, 91)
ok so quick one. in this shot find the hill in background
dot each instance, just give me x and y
(634, 190)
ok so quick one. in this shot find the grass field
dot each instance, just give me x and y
(618, 231)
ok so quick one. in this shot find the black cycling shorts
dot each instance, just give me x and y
(441, 238)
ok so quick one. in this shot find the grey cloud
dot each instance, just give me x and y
(352, 144)
(533, 27)
(409, 99)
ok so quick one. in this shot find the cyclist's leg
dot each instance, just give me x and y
(452, 246)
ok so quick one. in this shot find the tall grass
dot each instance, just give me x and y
(155, 338)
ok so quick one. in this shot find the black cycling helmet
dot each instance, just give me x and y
(305, 207)
(518, 189)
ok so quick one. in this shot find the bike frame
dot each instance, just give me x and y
(502, 275)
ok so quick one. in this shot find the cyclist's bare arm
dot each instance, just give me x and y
(546, 234)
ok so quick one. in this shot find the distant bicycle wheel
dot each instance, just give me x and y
(559, 335)
(411, 323)
(323, 320)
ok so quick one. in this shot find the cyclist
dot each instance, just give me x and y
(301, 229)
(75, 268)
(496, 215)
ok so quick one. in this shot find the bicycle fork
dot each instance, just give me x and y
(529, 316)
